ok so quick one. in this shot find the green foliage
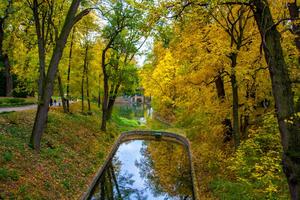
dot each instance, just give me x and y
(7, 156)
(255, 166)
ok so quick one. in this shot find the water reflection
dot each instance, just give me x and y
(139, 112)
(145, 170)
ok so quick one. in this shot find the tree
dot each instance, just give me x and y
(122, 71)
(121, 34)
(69, 69)
(85, 77)
(42, 112)
(235, 26)
(4, 58)
(288, 120)
(294, 11)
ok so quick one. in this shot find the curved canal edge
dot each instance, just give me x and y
(134, 135)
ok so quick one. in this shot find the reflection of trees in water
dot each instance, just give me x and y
(129, 111)
(116, 186)
(165, 166)
(124, 111)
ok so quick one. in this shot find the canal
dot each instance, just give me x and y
(145, 165)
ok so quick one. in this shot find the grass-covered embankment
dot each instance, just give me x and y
(73, 148)
(14, 102)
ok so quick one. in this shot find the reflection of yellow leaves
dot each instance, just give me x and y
(170, 173)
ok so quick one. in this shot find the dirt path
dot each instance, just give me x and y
(20, 108)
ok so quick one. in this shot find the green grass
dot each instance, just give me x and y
(124, 123)
(14, 102)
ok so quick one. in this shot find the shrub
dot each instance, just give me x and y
(256, 164)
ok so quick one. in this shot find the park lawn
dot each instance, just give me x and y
(14, 102)
(73, 149)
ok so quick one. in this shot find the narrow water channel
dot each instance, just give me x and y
(146, 169)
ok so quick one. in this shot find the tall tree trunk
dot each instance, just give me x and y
(112, 99)
(83, 77)
(220, 87)
(289, 123)
(82, 92)
(61, 92)
(105, 88)
(2, 67)
(294, 13)
(41, 49)
(105, 80)
(8, 77)
(69, 70)
(228, 131)
(294, 10)
(99, 92)
(104, 101)
(4, 61)
(42, 111)
(235, 101)
(87, 88)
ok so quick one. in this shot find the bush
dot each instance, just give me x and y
(256, 165)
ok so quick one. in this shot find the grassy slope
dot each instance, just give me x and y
(73, 149)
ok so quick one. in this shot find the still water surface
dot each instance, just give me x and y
(140, 113)
(146, 169)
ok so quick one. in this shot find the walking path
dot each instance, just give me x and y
(20, 108)
(28, 107)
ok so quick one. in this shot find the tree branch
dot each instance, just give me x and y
(80, 15)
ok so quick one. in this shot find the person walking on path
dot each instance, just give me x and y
(51, 102)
